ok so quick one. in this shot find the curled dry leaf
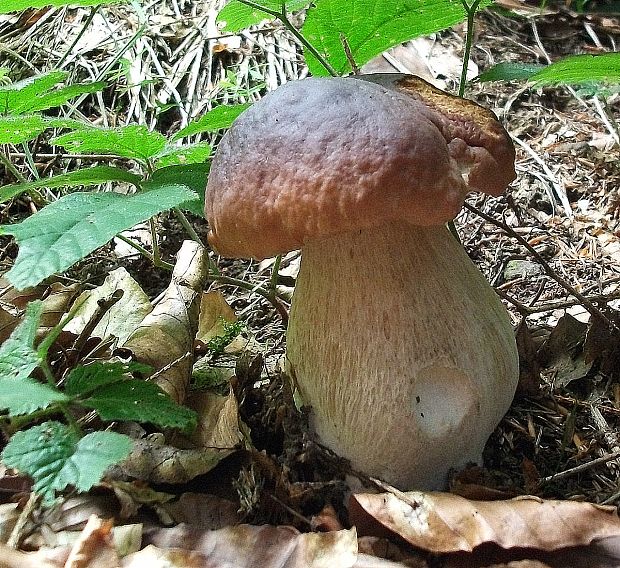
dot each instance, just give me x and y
(442, 522)
(165, 338)
(57, 299)
(94, 548)
(214, 310)
(122, 318)
(246, 546)
(149, 461)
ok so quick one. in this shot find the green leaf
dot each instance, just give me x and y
(40, 93)
(193, 176)
(95, 175)
(16, 129)
(18, 357)
(509, 72)
(133, 141)
(21, 128)
(142, 401)
(16, 95)
(577, 69)
(186, 154)
(54, 456)
(27, 395)
(237, 16)
(220, 117)
(372, 26)
(84, 379)
(60, 96)
(72, 227)
(7, 6)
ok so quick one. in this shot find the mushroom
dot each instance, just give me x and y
(396, 341)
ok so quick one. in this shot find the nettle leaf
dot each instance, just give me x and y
(193, 176)
(86, 378)
(134, 141)
(18, 357)
(55, 457)
(372, 26)
(16, 129)
(72, 227)
(142, 401)
(236, 16)
(186, 154)
(60, 96)
(7, 6)
(95, 175)
(604, 68)
(220, 117)
(21, 128)
(15, 95)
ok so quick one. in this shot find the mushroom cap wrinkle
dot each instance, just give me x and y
(403, 351)
(323, 156)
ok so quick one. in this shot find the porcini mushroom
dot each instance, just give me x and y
(398, 344)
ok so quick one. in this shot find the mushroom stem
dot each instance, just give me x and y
(402, 349)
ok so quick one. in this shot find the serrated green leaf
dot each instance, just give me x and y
(54, 456)
(237, 16)
(7, 6)
(25, 395)
(72, 227)
(372, 26)
(14, 95)
(16, 129)
(95, 175)
(59, 96)
(509, 72)
(193, 176)
(84, 379)
(141, 401)
(134, 141)
(18, 357)
(21, 128)
(604, 68)
(186, 154)
(220, 117)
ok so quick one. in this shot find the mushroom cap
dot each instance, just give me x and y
(323, 156)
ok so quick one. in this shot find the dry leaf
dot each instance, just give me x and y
(94, 548)
(442, 522)
(214, 310)
(165, 338)
(246, 546)
(122, 318)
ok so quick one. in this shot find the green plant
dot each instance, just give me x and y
(51, 445)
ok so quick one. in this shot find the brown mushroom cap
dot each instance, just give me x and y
(323, 156)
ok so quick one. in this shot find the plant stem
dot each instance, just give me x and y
(471, 12)
(145, 253)
(296, 33)
(87, 23)
(10, 167)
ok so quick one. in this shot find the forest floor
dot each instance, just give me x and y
(550, 247)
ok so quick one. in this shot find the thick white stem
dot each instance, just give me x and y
(402, 349)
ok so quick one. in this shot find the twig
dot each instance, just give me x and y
(582, 467)
(585, 302)
(18, 529)
(557, 305)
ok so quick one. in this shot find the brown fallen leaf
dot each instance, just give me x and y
(442, 522)
(247, 546)
(94, 548)
(165, 338)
